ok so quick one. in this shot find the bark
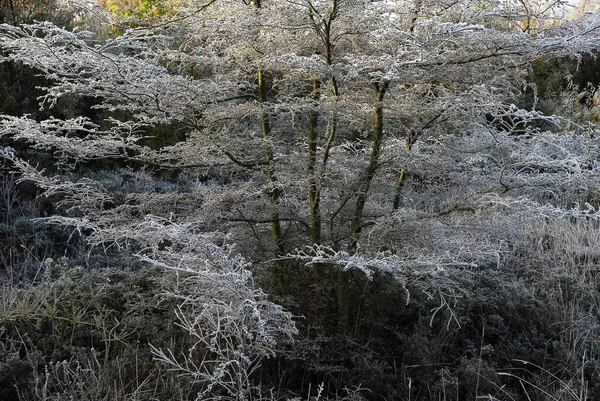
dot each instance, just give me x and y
(369, 172)
(274, 192)
(363, 190)
(401, 179)
(314, 195)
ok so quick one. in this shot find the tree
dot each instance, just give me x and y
(139, 9)
(19, 11)
(344, 131)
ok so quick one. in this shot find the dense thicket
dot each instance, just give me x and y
(285, 200)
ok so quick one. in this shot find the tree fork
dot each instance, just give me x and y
(328, 48)
(332, 128)
(411, 139)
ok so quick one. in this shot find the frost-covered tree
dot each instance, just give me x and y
(264, 91)
(375, 137)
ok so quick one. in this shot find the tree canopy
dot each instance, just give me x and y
(354, 149)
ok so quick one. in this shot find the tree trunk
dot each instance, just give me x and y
(367, 176)
(314, 193)
(401, 178)
(274, 191)
(363, 189)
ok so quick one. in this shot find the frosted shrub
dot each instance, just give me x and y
(232, 325)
